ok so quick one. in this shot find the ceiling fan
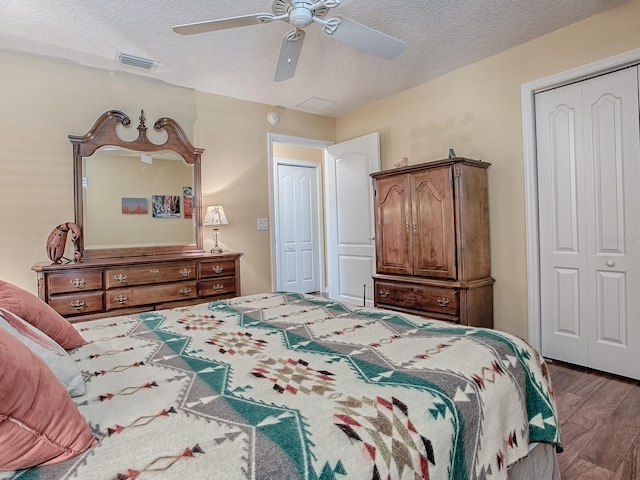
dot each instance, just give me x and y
(301, 14)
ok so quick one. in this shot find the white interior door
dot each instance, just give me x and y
(298, 245)
(588, 141)
(350, 218)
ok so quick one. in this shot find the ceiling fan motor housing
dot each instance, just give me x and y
(300, 17)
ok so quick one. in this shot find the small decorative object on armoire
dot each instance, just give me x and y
(215, 216)
(57, 242)
(432, 241)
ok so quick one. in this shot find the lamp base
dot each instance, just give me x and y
(216, 249)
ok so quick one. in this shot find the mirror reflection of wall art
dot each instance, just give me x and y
(166, 206)
(187, 198)
(134, 206)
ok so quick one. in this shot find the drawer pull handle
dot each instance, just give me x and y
(77, 304)
(384, 293)
(154, 270)
(218, 286)
(218, 269)
(185, 291)
(185, 272)
(443, 302)
(121, 299)
(121, 277)
(77, 282)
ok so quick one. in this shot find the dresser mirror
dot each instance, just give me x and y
(136, 197)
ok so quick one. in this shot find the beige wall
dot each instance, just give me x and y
(41, 102)
(477, 111)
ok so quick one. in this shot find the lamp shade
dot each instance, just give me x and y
(215, 216)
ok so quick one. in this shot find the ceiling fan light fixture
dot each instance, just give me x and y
(135, 61)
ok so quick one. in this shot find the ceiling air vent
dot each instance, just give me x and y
(134, 61)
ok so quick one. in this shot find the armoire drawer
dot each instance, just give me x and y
(77, 303)
(213, 268)
(149, 295)
(151, 273)
(219, 286)
(74, 281)
(417, 297)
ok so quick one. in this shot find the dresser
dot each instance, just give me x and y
(117, 286)
(432, 241)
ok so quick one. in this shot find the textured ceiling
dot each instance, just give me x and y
(441, 36)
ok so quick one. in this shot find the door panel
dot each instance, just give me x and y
(350, 219)
(433, 223)
(588, 177)
(561, 196)
(297, 228)
(394, 225)
(612, 130)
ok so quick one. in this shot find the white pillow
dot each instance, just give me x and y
(48, 350)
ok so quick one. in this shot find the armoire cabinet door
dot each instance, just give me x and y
(393, 225)
(433, 223)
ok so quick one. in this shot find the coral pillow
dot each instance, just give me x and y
(39, 314)
(39, 423)
(49, 351)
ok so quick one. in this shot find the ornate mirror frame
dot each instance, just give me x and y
(103, 133)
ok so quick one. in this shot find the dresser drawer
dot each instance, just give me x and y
(417, 297)
(149, 295)
(213, 268)
(74, 281)
(220, 286)
(150, 273)
(77, 303)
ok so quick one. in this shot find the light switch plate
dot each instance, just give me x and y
(263, 224)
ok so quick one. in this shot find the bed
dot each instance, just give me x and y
(291, 386)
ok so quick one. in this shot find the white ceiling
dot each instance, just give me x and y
(441, 36)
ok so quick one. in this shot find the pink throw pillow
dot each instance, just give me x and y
(56, 358)
(39, 314)
(39, 423)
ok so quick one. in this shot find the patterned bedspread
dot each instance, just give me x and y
(287, 386)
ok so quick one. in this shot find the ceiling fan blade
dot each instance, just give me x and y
(231, 22)
(289, 55)
(363, 37)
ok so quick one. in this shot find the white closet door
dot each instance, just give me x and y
(613, 238)
(588, 181)
(563, 245)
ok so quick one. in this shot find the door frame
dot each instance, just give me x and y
(273, 201)
(532, 232)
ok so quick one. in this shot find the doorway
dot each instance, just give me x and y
(346, 253)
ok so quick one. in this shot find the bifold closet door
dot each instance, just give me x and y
(588, 140)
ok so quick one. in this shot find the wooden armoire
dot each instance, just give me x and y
(432, 241)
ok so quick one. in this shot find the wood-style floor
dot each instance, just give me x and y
(600, 423)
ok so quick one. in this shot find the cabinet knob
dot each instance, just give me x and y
(443, 301)
(611, 263)
(121, 277)
(218, 286)
(384, 293)
(218, 269)
(121, 299)
(77, 304)
(77, 282)
(185, 272)
(154, 271)
(185, 291)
